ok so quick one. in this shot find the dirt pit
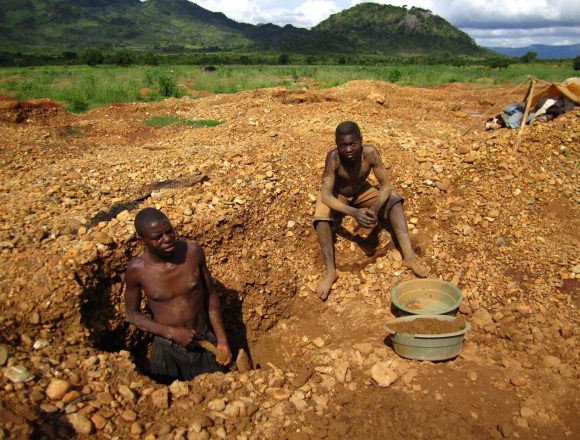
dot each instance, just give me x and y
(498, 222)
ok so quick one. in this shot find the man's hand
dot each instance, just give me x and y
(366, 217)
(181, 335)
(225, 349)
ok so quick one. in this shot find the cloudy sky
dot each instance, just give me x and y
(510, 23)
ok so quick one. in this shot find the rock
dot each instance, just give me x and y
(318, 342)
(383, 374)
(18, 374)
(527, 412)
(57, 388)
(472, 376)
(482, 317)
(160, 398)
(80, 423)
(3, 355)
(216, 405)
(136, 429)
(231, 410)
(201, 435)
(341, 371)
(550, 361)
(39, 344)
(179, 389)
(519, 381)
(98, 421)
(129, 415)
(103, 238)
(127, 393)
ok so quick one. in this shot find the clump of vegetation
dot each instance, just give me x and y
(77, 105)
(167, 120)
(168, 87)
(122, 57)
(576, 63)
(92, 57)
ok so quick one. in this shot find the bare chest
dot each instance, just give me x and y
(166, 285)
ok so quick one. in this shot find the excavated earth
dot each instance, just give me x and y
(502, 223)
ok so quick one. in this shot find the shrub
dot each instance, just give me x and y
(284, 59)
(394, 75)
(498, 62)
(92, 57)
(576, 63)
(151, 59)
(122, 57)
(167, 86)
(77, 105)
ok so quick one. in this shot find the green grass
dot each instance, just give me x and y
(81, 88)
(165, 121)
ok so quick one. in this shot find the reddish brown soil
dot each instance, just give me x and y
(428, 326)
(501, 223)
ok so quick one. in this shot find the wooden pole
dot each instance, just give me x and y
(526, 112)
(494, 106)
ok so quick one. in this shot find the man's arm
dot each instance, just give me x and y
(363, 216)
(214, 310)
(380, 173)
(328, 180)
(180, 335)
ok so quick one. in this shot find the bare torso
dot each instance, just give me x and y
(175, 291)
(351, 178)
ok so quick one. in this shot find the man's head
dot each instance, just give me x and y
(156, 231)
(348, 141)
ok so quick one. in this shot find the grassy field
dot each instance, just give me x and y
(81, 87)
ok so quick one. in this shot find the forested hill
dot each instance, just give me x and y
(372, 27)
(180, 25)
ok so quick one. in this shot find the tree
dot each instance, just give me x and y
(122, 57)
(498, 62)
(92, 57)
(528, 57)
(576, 63)
(284, 59)
(151, 59)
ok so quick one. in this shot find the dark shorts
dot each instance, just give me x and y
(170, 361)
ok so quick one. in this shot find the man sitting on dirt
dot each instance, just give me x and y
(346, 191)
(183, 301)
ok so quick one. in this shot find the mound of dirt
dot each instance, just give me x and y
(13, 110)
(498, 222)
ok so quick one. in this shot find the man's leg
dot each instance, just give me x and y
(396, 217)
(324, 233)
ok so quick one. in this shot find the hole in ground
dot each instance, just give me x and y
(244, 305)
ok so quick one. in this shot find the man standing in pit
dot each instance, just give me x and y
(184, 304)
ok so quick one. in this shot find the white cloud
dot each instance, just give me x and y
(519, 22)
(492, 13)
(306, 14)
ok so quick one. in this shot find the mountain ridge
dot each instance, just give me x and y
(180, 25)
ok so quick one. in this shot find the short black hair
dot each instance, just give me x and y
(147, 216)
(346, 128)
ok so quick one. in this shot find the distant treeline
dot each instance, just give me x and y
(126, 57)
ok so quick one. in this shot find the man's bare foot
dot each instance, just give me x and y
(323, 288)
(415, 265)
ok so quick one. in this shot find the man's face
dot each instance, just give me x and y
(349, 147)
(159, 237)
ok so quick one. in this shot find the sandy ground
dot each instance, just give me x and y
(499, 222)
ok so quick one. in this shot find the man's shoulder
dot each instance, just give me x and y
(193, 248)
(136, 264)
(332, 158)
(370, 152)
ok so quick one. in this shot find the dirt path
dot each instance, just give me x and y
(502, 224)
